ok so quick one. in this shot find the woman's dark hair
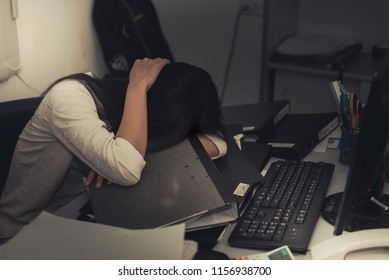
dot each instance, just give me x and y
(182, 100)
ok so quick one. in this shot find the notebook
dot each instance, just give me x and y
(178, 185)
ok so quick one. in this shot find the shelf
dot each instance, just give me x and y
(360, 68)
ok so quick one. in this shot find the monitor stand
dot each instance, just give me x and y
(367, 215)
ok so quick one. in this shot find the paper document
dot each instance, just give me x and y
(55, 238)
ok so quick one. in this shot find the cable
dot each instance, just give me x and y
(17, 68)
(231, 54)
(232, 50)
(26, 84)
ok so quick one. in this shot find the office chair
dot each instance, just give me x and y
(13, 117)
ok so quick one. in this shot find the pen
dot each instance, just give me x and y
(379, 203)
(344, 108)
(355, 110)
(336, 93)
(342, 89)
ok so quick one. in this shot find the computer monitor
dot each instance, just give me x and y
(363, 205)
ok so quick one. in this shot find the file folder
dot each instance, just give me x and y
(257, 118)
(178, 185)
(297, 134)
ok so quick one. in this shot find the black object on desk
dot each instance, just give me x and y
(178, 184)
(257, 118)
(297, 134)
(285, 207)
(236, 167)
(235, 164)
(257, 153)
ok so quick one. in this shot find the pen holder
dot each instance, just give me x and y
(347, 144)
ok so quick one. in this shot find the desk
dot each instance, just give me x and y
(323, 230)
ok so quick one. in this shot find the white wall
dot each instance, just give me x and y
(56, 38)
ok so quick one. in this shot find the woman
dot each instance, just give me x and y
(109, 125)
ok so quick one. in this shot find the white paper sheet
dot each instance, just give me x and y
(52, 237)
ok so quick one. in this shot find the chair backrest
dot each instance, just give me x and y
(14, 115)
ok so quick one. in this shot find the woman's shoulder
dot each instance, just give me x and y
(68, 86)
(69, 91)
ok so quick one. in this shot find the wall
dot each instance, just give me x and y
(365, 21)
(201, 32)
(56, 38)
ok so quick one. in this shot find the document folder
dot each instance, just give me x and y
(257, 118)
(178, 185)
(297, 134)
(235, 164)
(239, 172)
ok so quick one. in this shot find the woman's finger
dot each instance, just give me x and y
(89, 179)
(99, 181)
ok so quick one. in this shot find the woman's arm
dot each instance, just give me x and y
(133, 126)
(75, 123)
(215, 146)
(119, 158)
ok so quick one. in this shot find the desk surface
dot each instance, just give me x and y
(323, 230)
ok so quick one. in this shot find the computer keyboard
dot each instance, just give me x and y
(285, 207)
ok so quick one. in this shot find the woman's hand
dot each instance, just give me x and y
(133, 126)
(145, 71)
(99, 180)
(214, 145)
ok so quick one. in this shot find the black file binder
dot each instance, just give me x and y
(297, 134)
(178, 184)
(237, 169)
(235, 164)
(257, 153)
(257, 118)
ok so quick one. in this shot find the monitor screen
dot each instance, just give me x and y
(363, 205)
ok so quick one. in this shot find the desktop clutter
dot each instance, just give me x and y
(183, 215)
(223, 189)
(275, 212)
(207, 196)
(290, 136)
(283, 212)
(286, 204)
(259, 212)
